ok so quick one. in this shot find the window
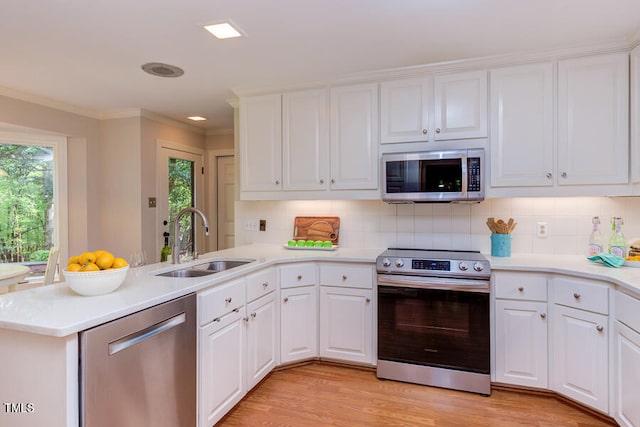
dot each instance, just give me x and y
(32, 199)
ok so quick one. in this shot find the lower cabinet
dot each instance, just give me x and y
(346, 324)
(221, 371)
(262, 338)
(627, 361)
(298, 323)
(580, 355)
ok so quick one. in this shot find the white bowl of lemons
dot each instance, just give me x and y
(95, 273)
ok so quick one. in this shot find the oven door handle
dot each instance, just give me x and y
(464, 285)
(405, 292)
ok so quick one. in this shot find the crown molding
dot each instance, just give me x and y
(520, 58)
(171, 122)
(48, 102)
(214, 132)
(234, 102)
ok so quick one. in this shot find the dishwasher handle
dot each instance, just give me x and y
(144, 334)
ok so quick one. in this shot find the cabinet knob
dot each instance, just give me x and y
(228, 300)
(286, 299)
(438, 130)
(549, 175)
(520, 289)
(236, 310)
(563, 174)
(344, 277)
(368, 300)
(253, 315)
(277, 182)
(543, 315)
(246, 319)
(333, 181)
(265, 285)
(576, 295)
(599, 328)
(217, 319)
(299, 276)
(424, 131)
(321, 181)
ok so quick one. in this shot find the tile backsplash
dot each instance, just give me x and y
(375, 224)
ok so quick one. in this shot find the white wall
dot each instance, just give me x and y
(447, 226)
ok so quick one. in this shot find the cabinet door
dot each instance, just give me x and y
(220, 367)
(404, 110)
(461, 105)
(593, 120)
(305, 140)
(261, 143)
(262, 338)
(346, 317)
(298, 324)
(354, 141)
(627, 376)
(635, 114)
(522, 126)
(580, 355)
(521, 343)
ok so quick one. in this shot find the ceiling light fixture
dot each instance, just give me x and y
(162, 70)
(197, 118)
(224, 30)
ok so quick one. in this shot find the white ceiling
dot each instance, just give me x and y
(88, 53)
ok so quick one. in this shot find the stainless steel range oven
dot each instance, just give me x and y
(433, 318)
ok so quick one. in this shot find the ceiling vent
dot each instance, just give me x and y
(162, 70)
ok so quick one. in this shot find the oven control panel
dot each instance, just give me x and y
(463, 266)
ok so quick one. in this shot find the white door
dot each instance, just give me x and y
(226, 191)
(262, 338)
(299, 324)
(180, 184)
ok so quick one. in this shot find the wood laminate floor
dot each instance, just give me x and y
(319, 394)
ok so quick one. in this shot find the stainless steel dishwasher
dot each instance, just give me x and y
(140, 370)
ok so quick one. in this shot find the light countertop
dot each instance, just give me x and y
(57, 311)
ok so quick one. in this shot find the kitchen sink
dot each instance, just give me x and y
(206, 268)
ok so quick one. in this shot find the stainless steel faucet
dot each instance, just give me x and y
(175, 255)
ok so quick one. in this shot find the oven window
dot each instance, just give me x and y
(424, 176)
(447, 329)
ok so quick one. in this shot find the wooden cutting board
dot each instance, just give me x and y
(317, 228)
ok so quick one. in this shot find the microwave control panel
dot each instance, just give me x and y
(473, 167)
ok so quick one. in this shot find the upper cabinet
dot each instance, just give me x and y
(261, 143)
(443, 107)
(634, 99)
(522, 125)
(593, 120)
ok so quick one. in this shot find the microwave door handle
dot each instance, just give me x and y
(465, 176)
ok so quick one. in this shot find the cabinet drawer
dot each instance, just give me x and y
(303, 274)
(520, 286)
(216, 302)
(347, 275)
(581, 294)
(628, 310)
(261, 283)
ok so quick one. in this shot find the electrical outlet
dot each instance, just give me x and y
(263, 225)
(251, 225)
(542, 229)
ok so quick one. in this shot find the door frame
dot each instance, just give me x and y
(212, 185)
(199, 194)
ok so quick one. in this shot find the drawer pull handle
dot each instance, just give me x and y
(344, 277)
(599, 328)
(286, 299)
(576, 295)
(253, 315)
(228, 300)
(299, 276)
(543, 315)
(236, 310)
(520, 289)
(265, 285)
(246, 319)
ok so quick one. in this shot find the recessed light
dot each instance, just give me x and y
(162, 70)
(224, 30)
(197, 118)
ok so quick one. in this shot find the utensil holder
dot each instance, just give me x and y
(500, 245)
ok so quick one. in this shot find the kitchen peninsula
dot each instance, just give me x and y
(39, 327)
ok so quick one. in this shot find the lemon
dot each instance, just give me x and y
(119, 263)
(98, 253)
(89, 267)
(105, 260)
(74, 260)
(87, 257)
(74, 267)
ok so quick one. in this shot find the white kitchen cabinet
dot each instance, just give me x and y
(346, 318)
(263, 342)
(354, 137)
(261, 143)
(221, 367)
(299, 323)
(405, 110)
(305, 140)
(580, 356)
(627, 360)
(521, 329)
(634, 125)
(593, 120)
(460, 105)
(444, 107)
(522, 148)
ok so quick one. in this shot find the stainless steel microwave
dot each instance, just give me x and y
(433, 176)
